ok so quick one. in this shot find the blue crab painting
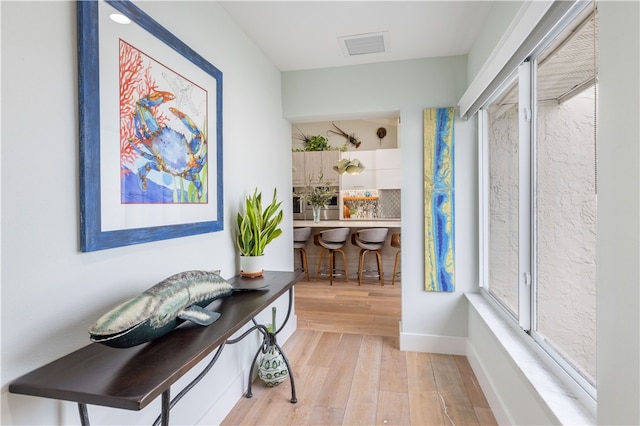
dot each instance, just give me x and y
(167, 150)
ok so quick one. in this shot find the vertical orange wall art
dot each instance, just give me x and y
(439, 197)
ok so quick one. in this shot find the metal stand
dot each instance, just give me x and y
(84, 416)
(268, 340)
(168, 404)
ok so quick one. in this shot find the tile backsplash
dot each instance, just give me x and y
(384, 204)
(389, 203)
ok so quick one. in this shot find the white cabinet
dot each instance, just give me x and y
(367, 178)
(388, 179)
(387, 159)
(388, 169)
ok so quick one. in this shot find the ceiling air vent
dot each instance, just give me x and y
(364, 44)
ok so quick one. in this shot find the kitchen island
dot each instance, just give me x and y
(349, 223)
(352, 251)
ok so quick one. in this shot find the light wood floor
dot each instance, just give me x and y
(348, 368)
(345, 307)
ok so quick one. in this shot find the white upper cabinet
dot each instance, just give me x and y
(387, 159)
(388, 169)
(388, 179)
(382, 170)
(367, 178)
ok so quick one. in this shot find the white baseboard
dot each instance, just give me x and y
(433, 344)
(487, 387)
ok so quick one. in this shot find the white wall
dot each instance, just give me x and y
(618, 239)
(51, 292)
(408, 87)
(498, 20)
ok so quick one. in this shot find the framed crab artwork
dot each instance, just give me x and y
(150, 131)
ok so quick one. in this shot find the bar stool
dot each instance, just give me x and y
(300, 238)
(332, 241)
(395, 242)
(370, 240)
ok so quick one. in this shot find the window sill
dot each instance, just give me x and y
(565, 402)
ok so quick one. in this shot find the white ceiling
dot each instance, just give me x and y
(298, 35)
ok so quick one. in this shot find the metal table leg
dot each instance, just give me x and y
(84, 416)
(166, 407)
(168, 404)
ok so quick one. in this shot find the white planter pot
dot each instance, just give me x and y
(251, 266)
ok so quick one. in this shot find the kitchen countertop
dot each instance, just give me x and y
(348, 223)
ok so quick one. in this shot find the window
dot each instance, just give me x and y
(538, 192)
(502, 141)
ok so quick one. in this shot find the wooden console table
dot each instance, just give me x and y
(131, 378)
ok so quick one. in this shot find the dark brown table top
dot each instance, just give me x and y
(131, 378)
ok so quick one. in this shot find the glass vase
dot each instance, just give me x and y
(316, 213)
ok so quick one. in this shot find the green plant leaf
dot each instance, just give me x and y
(258, 227)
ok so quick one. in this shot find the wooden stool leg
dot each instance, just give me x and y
(319, 264)
(332, 265)
(395, 269)
(380, 273)
(361, 265)
(344, 262)
(303, 260)
(346, 268)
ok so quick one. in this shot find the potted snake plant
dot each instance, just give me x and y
(257, 227)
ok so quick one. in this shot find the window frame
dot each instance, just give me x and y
(527, 112)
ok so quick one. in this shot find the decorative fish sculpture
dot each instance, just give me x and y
(161, 308)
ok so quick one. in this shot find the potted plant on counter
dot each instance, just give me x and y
(317, 196)
(256, 229)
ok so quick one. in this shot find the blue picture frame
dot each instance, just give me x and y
(93, 237)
